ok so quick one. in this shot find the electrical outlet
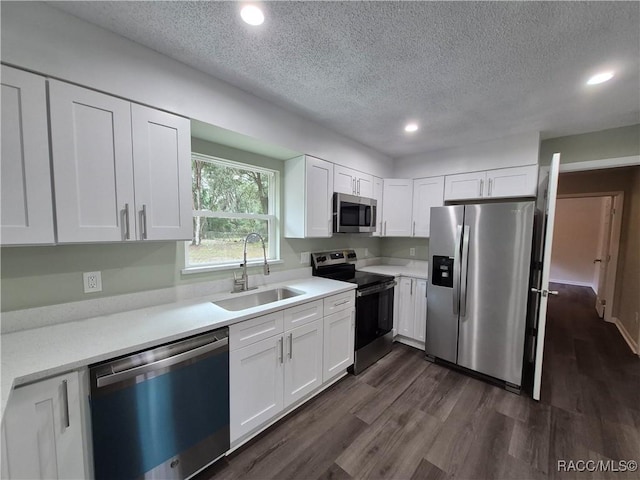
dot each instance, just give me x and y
(305, 258)
(412, 252)
(92, 282)
(366, 252)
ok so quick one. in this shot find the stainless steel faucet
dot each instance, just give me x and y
(241, 284)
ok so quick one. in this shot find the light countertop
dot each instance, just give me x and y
(31, 355)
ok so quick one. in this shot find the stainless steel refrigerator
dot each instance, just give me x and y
(480, 259)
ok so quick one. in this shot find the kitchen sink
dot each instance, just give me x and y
(258, 298)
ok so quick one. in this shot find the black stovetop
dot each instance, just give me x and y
(346, 272)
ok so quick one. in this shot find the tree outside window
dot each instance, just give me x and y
(231, 200)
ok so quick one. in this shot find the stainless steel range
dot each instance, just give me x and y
(374, 304)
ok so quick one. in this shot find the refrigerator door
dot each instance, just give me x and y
(444, 282)
(494, 302)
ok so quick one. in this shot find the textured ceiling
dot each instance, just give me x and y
(465, 71)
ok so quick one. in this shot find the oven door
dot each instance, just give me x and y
(374, 313)
(353, 214)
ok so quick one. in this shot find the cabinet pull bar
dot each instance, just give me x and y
(358, 186)
(144, 222)
(490, 186)
(281, 342)
(385, 227)
(411, 290)
(290, 346)
(341, 303)
(127, 232)
(414, 228)
(481, 185)
(353, 186)
(65, 404)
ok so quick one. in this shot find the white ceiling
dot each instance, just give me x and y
(465, 71)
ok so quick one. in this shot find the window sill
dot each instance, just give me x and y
(226, 266)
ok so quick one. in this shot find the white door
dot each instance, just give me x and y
(464, 185)
(44, 435)
(602, 262)
(26, 202)
(338, 347)
(377, 195)
(512, 182)
(92, 165)
(162, 174)
(420, 327)
(319, 201)
(398, 200)
(406, 309)
(543, 289)
(427, 193)
(303, 361)
(344, 180)
(255, 384)
(364, 185)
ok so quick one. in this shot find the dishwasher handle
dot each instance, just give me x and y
(124, 375)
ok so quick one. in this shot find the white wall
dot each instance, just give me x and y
(576, 237)
(512, 151)
(38, 37)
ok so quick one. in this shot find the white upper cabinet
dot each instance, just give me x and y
(427, 193)
(377, 195)
(498, 183)
(397, 219)
(308, 198)
(162, 174)
(121, 171)
(27, 207)
(92, 165)
(352, 182)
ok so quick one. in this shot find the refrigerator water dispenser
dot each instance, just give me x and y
(442, 273)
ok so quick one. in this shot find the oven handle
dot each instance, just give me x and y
(165, 362)
(376, 289)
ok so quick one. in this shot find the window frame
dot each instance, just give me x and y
(272, 218)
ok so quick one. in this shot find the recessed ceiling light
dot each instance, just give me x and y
(252, 15)
(411, 127)
(600, 78)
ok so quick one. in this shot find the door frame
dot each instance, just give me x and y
(614, 243)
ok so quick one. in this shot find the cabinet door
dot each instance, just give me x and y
(427, 193)
(465, 185)
(398, 200)
(303, 361)
(338, 348)
(406, 309)
(420, 326)
(26, 202)
(162, 174)
(44, 435)
(364, 185)
(513, 182)
(92, 165)
(255, 385)
(344, 180)
(319, 198)
(377, 195)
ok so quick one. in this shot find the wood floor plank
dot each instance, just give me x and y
(334, 472)
(530, 439)
(428, 471)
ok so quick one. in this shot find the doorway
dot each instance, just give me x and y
(586, 242)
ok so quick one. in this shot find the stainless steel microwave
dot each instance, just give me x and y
(353, 214)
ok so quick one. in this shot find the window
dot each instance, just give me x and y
(231, 200)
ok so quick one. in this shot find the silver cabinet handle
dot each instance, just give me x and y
(358, 186)
(411, 290)
(490, 186)
(65, 404)
(385, 227)
(281, 344)
(414, 228)
(127, 232)
(290, 346)
(481, 186)
(144, 222)
(353, 186)
(341, 303)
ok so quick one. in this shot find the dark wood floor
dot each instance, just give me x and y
(405, 418)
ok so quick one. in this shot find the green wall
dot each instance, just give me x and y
(399, 248)
(39, 276)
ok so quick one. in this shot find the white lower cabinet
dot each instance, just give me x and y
(339, 333)
(43, 433)
(303, 361)
(412, 310)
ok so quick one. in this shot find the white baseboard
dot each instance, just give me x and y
(574, 283)
(409, 341)
(626, 335)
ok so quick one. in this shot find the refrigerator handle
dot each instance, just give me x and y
(456, 271)
(463, 271)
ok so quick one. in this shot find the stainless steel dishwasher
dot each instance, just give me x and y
(162, 413)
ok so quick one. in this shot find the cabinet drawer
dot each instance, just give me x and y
(251, 331)
(305, 313)
(339, 302)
